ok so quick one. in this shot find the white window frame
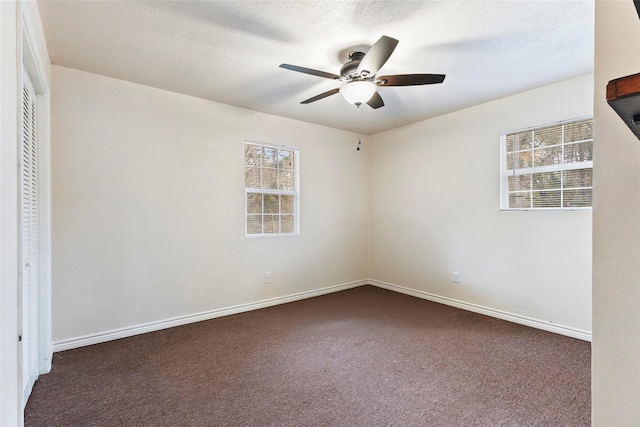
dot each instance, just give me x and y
(295, 192)
(505, 173)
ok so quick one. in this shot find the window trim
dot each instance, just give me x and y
(504, 187)
(295, 192)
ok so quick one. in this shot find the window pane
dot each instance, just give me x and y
(546, 199)
(286, 204)
(271, 224)
(269, 178)
(578, 131)
(285, 159)
(519, 141)
(520, 182)
(254, 203)
(285, 181)
(577, 178)
(252, 154)
(578, 198)
(580, 152)
(548, 136)
(254, 224)
(546, 180)
(520, 200)
(271, 203)
(509, 140)
(252, 177)
(269, 157)
(286, 224)
(522, 160)
(548, 156)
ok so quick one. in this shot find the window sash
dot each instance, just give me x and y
(278, 222)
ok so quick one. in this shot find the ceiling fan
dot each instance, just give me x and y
(359, 76)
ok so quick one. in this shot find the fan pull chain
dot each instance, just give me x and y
(359, 142)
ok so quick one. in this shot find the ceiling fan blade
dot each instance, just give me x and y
(377, 56)
(410, 79)
(375, 101)
(311, 71)
(322, 95)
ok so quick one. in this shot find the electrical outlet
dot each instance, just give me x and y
(267, 277)
(456, 277)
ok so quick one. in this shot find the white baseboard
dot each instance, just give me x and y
(515, 318)
(115, 334)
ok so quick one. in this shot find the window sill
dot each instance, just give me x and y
(589, 209)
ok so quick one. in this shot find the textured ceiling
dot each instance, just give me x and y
(229, 51)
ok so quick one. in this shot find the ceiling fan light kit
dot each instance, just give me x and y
(358, 92)
(359, 76)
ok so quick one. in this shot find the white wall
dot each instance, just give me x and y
(616, 228)
(10, 411)
(435, 210)
(148, 202)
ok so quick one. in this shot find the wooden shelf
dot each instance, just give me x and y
(623, 95)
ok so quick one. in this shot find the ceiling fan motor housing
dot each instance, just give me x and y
(350, 69)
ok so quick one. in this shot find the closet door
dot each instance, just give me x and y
(29, 240)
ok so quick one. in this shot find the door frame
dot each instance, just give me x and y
(33, 64)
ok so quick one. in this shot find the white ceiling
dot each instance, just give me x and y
(229, 51)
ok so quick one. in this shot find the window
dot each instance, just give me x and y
(548, 167)
(271, 189)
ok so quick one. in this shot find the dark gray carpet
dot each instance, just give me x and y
(362, 357)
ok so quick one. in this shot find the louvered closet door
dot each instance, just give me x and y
(30, 253)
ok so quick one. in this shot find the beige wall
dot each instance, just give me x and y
(616, 228)
(435, 210)
(148, 202)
